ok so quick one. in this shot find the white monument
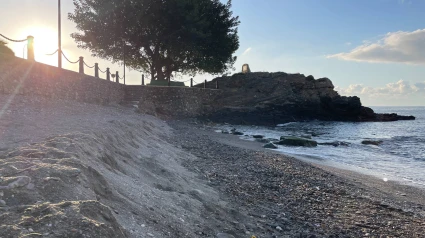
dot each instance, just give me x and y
(245, 69)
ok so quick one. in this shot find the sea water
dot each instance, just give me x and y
(400, 157)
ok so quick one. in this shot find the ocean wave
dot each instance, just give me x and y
(408, 139)
(286, 124)
(401, 154)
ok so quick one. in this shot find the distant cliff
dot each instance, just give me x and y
(272, 98)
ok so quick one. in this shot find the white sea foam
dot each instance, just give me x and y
(286, 124)
(400, 156)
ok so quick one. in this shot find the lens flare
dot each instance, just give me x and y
(45, 42)
(15, 92)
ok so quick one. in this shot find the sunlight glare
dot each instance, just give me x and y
(45, 42)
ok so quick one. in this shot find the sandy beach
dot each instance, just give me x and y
(69, 169)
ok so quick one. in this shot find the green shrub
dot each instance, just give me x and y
(165, 83)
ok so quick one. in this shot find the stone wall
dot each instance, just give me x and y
(31, 78)
(178, 102)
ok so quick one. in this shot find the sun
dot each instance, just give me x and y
(45, 42)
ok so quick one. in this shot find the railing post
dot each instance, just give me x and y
(59, 35)
(205, 83)
(117, 76)
(143, 80)
(96, 70)
(169, 82)
(81, 62)
(191, 82)
(216, 84)
(30, 48)
(108, 74)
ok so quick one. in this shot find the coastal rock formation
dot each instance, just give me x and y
(372, 142)
(270, 146)
(295, 141)
(270, 98)
(335, 143)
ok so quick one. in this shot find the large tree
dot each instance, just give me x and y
(159, 36)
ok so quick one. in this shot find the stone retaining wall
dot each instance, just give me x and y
(31, 78)
(178, 102)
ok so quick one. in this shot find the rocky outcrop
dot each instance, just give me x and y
(273, 98)
(372, 142)
(335, 143)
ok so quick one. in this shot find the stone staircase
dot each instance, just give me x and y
(132, 94)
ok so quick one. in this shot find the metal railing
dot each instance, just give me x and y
(82, 63)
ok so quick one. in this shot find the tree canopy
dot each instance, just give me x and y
(159, 36)
(4, 49)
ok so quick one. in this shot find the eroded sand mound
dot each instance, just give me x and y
(65, 219)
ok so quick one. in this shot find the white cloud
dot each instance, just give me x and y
(394, 47)
(247, 51)
(400, 88)
(420, 86)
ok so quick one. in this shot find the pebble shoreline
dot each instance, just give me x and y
(278, 196)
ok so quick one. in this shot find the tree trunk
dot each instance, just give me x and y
(168, 69)
(152, 73)
(159, 73)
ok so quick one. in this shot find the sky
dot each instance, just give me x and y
(374, 49)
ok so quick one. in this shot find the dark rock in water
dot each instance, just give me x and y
(262, 140)
(393, 117)
(225, 132)
(406, 118)
(335, 143)
(270, 146)
(258, 136)
(272, 98)
(295, 141)
(343, 143)
(234, 132)
(372, 142)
